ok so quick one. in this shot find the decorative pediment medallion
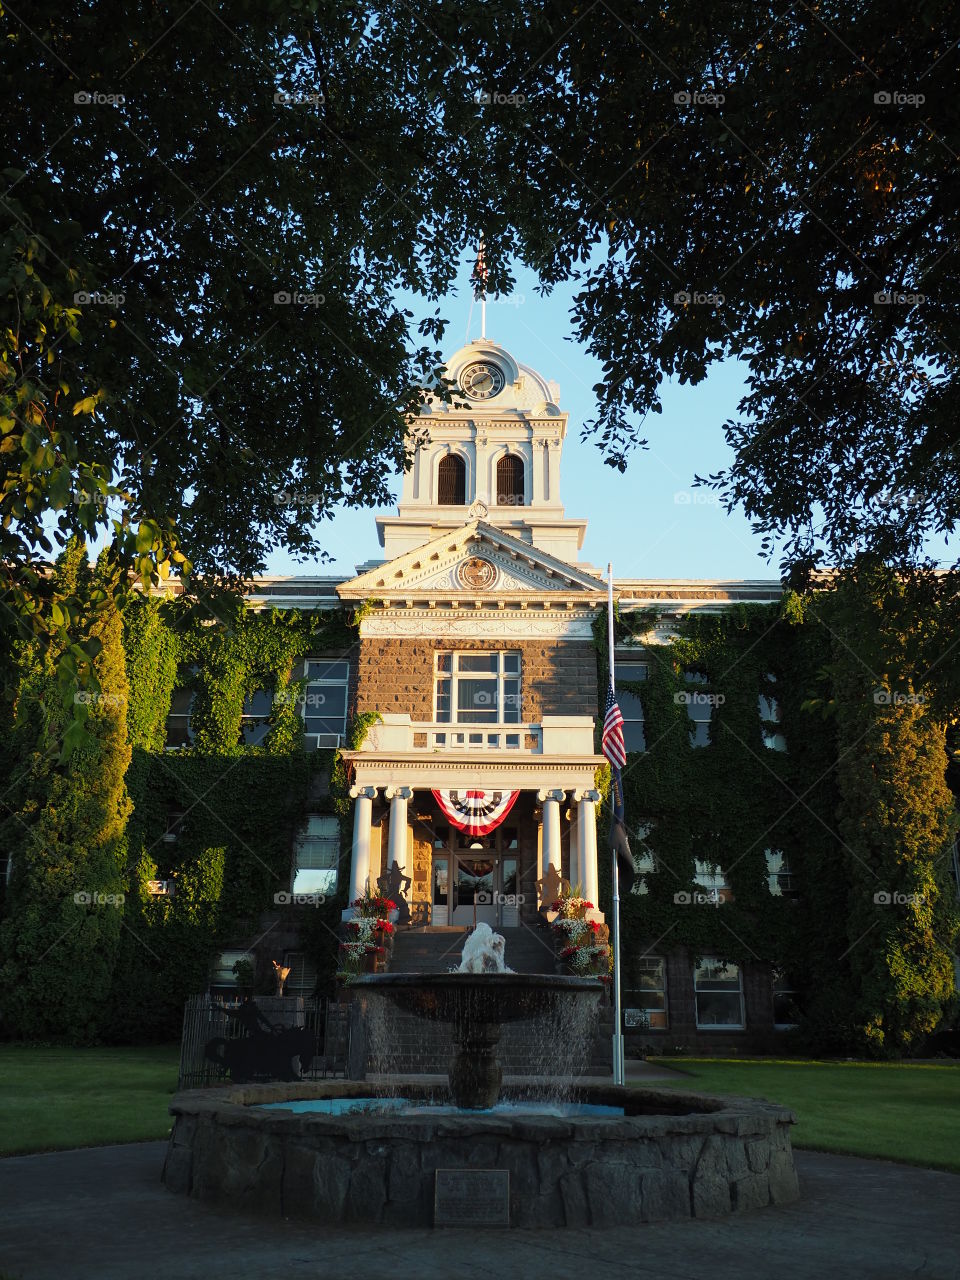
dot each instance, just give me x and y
(477, 573)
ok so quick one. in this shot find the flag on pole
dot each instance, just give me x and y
(614, 748)
(480, 273)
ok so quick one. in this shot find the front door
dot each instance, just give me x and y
(474, 890)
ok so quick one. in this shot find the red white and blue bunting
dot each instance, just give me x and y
(476, 812)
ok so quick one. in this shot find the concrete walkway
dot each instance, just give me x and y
(101, 1214)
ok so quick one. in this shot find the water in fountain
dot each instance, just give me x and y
(551, 1019)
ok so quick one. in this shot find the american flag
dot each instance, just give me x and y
(480, 272)
(612, 743)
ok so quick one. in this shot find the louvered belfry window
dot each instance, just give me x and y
(510, 481)
(452, 481)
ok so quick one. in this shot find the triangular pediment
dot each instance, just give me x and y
(472, 562)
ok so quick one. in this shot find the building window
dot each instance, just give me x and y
(255, 720)
(645, 1006)
(510, 481)
(223, 979)
(452, 481)
(631, 708)
(699, 707)
(477, 688)
(786, 1013)
(768, 708)
(175, 819)
(644, 860)
(712, 878)
(317, 856)
(302, 978)
(179, 729)
(324, 703)
(779, 876)
(719, 994)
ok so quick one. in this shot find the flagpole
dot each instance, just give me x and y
(618, 1063)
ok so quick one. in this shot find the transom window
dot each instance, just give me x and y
(645, 1007)
(477, 688)
(719, 995)
(316, 855)
(324, 701)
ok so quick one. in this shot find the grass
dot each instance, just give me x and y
(908, 1112)
(52, 1099)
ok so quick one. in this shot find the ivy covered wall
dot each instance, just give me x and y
(857, 803)
(125, 965)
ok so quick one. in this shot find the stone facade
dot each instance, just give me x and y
(674, 1156)
(557, 677)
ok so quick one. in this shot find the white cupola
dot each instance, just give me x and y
(493, 454)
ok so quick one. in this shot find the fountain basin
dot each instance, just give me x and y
(670, 1155)
(476, 1005)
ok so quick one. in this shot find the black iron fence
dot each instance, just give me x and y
(268, 1038)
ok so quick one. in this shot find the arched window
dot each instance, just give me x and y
(510, 481)
(452, 481)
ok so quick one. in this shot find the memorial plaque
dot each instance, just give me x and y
(472, 1198)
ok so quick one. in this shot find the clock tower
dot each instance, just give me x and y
(492, 454)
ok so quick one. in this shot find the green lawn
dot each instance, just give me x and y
(907, 1112)
(52, 1098)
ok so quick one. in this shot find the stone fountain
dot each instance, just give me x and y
(338, 1152)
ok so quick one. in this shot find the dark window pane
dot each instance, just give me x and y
(510, 481)
(452, 481)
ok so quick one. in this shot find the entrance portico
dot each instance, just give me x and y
(549, 834)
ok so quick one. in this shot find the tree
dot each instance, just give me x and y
(66, 831)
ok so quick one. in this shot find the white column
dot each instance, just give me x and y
(576, 854)
(362, 821)
(550, 843)
(587, 824)
(397, 845)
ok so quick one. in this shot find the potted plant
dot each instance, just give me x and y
(581, 943)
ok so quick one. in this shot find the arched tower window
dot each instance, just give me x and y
(510, 481)
(452, 481)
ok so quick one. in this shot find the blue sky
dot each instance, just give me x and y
(635, 519)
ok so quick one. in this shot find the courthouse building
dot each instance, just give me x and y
(475, 787)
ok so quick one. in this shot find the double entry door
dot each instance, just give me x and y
(475, 880)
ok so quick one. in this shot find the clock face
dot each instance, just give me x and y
(482, 379)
